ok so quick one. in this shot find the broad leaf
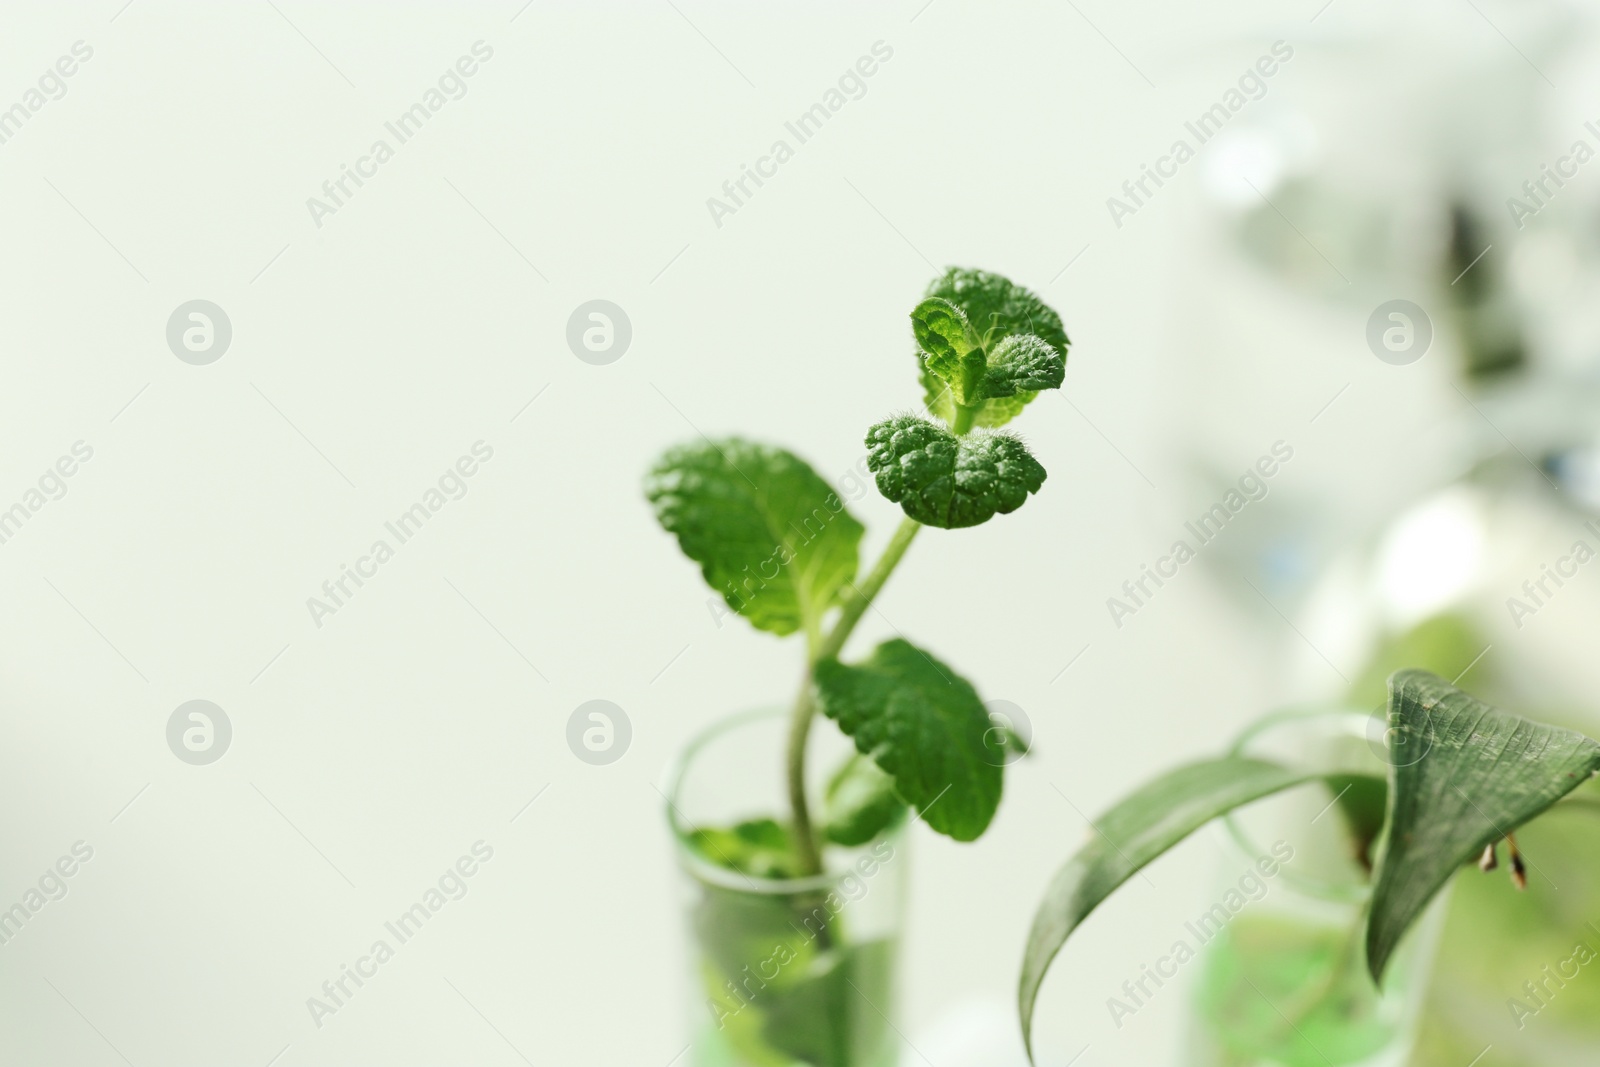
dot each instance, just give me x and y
(1484, 773)
(1138, 829)
(925, 725)
(996, 309)
(950, 348)
(860, 802)
(769, 534)
(943, 480)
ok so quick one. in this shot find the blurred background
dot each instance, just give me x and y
(417, 323)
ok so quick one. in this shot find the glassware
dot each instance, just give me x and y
(1284, 980)
(786, 970)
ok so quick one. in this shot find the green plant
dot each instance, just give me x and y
(1476, 774)
(780, 546)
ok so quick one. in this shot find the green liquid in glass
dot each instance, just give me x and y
(1279, 992)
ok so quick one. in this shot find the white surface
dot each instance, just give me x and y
(376, 749)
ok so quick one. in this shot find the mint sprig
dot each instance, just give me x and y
(1023, 343)
(776, 542)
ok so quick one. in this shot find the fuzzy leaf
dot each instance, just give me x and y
(1483, 774)
(950, 349)
(943, 480)
(1023, 363)
(993, 412)
(996, 309)
(769, 534)
(925, 725)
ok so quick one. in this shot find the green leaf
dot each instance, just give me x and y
(943, 480)
(1006, 744)
(1483, 774)
(925, 725)
(1472, 775)
(993, 412)
(1022, 363)
(1138, 829)
(950, 348)
(1363, 803)
(1495, 938)
(996, 309)
(860, 802)
(760, 848)
(769, 534)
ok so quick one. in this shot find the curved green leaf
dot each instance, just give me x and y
(950, 348)
(859, 803)
(1471, 775)
(993, 412)
(1482, 774)
(996, 309)
(925, 725)
(1138, 829)
(769, 534)
(943, 480)
(760, 848)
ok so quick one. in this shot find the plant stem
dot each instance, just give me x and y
(858, 602)
(965, 416)
(855, 606)
(805, 838)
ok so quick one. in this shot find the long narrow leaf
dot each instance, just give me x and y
(1137, 830)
